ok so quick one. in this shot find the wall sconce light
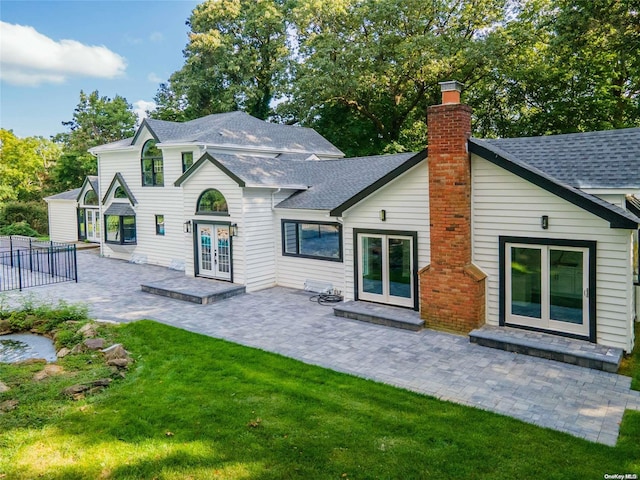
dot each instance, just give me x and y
(186, 226)
(545, 222)
(383, 215)
(233, 229)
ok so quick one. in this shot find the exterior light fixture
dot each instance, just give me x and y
(186, 226)
(383, 215)
(233, 229)
(544, 222)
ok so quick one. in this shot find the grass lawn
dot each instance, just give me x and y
(630, 365)
(193, 407)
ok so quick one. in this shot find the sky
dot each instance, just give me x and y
(50, 50)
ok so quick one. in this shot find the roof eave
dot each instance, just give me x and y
(615, 219)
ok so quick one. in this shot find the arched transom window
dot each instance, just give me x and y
(212, 201)
(90, 198)
(152, 165)
(120, 192)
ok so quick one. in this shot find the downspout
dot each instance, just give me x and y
(273, 200)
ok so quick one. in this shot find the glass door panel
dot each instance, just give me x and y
(400, 267)
(526, 282)
(566, 268)
(222, 253)
(372, 265)
(204, 250)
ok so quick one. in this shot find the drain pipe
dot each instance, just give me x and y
(273, 199)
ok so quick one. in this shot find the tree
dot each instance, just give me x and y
(96, 120)
(380, 61)
(236, 59)
(24, 165)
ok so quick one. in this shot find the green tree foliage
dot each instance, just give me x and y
(235, 60)
(96, 120)
(24, 165)
(34, 213)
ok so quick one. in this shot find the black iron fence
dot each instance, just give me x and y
(26, 262)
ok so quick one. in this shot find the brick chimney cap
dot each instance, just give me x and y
(451, 85)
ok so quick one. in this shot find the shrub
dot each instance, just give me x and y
(19, 228)
(34, 213)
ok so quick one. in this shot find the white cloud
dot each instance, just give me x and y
(30, 58)
(153, 78)
(156, 37)
(140, 108)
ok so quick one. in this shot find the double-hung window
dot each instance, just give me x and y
(320, 240)
(152, 165)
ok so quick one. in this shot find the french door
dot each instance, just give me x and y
(547, 287)
(214, 251)
(385, 269)
(93, 225)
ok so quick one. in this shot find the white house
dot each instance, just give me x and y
(537, 233)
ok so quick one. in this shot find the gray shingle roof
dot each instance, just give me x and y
(488, 149)
(68, 195)
(606, 159)
(322, 184)
(236, 129)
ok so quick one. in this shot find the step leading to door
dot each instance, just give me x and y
(380, 314)
(552, 347)
(194, 290)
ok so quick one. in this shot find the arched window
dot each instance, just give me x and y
(212, 201)
(152, 165)
(120, 193)
(90, 198)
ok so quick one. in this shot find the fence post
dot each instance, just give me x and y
(11, 249)
(19, 272)
(30, 256)
(75, 263)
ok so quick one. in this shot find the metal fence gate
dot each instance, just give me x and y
(26, 262)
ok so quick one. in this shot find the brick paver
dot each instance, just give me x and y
(583, 402)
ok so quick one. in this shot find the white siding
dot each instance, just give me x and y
(209, 176)
(505, 204)
(63, 220)
(294, 271)
(406, 202)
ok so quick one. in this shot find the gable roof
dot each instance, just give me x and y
(513, 162)
(68, 195)
(92, 181)
(233, 129)
(607, 159)
(118, 179)
(333, 185)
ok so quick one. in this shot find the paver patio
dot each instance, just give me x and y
(580, 401)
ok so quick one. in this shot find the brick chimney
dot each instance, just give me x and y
(452, 290)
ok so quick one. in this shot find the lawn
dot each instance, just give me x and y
(193, 407)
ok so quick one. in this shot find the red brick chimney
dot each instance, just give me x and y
(452, 290)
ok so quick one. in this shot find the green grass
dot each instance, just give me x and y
(630, 365)
(200, 408)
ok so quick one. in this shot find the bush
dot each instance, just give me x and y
(19, 228)
(33, 213)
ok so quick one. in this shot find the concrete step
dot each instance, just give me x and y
(194, 290)
(380, 314)
(552, 347)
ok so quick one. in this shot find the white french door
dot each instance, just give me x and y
(93, 225)
(385, 269)
(547, 287)
(214, 251)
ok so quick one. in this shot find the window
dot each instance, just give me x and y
(90, 198)
(159, 224)
(120, 229)
(120, 193)
(212, 202)
(187, 161)
(312, 240)
(152, 165)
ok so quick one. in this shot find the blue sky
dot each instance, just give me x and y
(50, 50)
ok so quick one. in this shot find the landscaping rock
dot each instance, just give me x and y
(76, 390)
(63, 352)
(48, 371)
(8, 405)
(89, 330)
(79, 348)
(31, 361)
(94, 343)
(4, 387)
(115, 351)
(119, 362)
